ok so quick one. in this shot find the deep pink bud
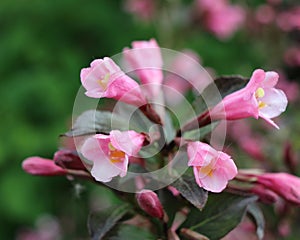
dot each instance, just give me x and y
(42, 167)
(68, 159)
(150, 203)
(285, 185)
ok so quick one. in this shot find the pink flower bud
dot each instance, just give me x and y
(150, 203)
(285, 185)
(42, 167)
(68, 159)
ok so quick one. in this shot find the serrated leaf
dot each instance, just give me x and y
(222, 213)
(125, 232)
(257, 216)
(217, 90)
(190, 190)
(101, 222)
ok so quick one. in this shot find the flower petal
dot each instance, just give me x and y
(276, 103)
(129, 142)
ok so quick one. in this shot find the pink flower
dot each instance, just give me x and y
(145, 59)
(150, 203)
(220, 17)
(105, 79)
(110, 153)
(258, 99)
(285, 185)
(42, 167)
(212, 169)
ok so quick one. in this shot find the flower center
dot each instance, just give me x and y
(104, 81)
(260, 92)
(207, 170)
(115, 155)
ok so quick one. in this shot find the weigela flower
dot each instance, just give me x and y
(110, 153)
(285, 185)
(104, 78)
(42, 167)
(146, 60)
(258, 99)
(212, 169)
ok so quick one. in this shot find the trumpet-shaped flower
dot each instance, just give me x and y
(212, 169)
(110, 153)
(258, 99)
(145, 59)
(104, 78)
(285, 185)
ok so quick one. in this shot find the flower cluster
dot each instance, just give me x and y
(107, 155)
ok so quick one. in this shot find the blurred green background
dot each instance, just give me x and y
(43, 46)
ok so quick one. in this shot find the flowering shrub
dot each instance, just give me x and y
(185, 187)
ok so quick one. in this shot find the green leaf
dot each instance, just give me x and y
(198, 134)
(222, 213)
(125, 232)
(101, 222)
(169, 129)
(92, 121)
(257, 216)
(166, 197)
(190, 190)
(230, 84)
(217, 90)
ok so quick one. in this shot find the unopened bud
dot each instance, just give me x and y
(285, 185)
(150, 203)
(42, 167)
(68, 159)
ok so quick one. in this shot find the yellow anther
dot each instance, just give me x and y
(206, 170)
(259, 93)
(104, 81)
(261, 104)
(115, 156)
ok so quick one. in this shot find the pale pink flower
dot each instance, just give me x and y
(110, 153)
(104, 79)
(150, 203)
(258, 99)
(220, 17)
(285, 185)
(42, 167)
(146, 61)
(212, 169)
